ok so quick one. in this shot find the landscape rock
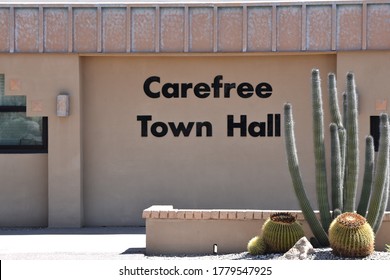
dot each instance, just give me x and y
(300, 250)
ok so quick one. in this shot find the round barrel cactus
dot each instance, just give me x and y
(351, 236)
(256, 246)
(280, 232)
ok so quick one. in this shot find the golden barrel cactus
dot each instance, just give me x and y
(351, 236)
(256, 246)
(280, 232)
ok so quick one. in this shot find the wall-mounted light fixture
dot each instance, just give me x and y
(63, 101)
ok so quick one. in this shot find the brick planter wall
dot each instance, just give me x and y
(191, 231)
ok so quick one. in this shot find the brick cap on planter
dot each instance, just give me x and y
(168, 212)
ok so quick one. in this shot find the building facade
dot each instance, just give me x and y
(108, 108)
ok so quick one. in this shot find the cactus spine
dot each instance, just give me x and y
(345, 161)
(280, 232)
(351, 236)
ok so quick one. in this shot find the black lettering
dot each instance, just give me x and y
(257, 129)
(159, 129)
(227, 88)
(277, 125)
(181, 128)
(270, 125)
(217, 85)
(263, 90)
(202, 90)
(270, 128)
(241, 125)
(144, 124)
(147, 84)
(170, 90)
(207, 126)
(245, 90)
(184, 88)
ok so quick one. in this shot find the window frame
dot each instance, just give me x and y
(25, 149)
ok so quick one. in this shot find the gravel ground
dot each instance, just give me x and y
(114, 243)
(320, 254)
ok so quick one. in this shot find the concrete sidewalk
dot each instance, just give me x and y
(97, 243)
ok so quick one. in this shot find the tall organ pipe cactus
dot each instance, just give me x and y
(367, 177)
(293, 164)
(380, 190)
(336, 165)
(352, 151)
(344, 161)
(319, 150)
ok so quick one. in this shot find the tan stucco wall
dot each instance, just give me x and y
(124, 173)
(23, 199)
(41, 78)
(371, 72)
(98, 158)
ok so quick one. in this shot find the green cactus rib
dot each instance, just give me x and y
(279, 236)
(351, 236)
(381, 175)
(319, 150)
(333, 102)
(336, 166)
(293, 164)
(383, 206)
(337, 118)
(343, 141)
(367, 177)
(345, 110)
(386, 194)
(352, 155)
(343, 145)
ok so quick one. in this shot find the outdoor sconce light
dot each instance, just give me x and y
(63, 105)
